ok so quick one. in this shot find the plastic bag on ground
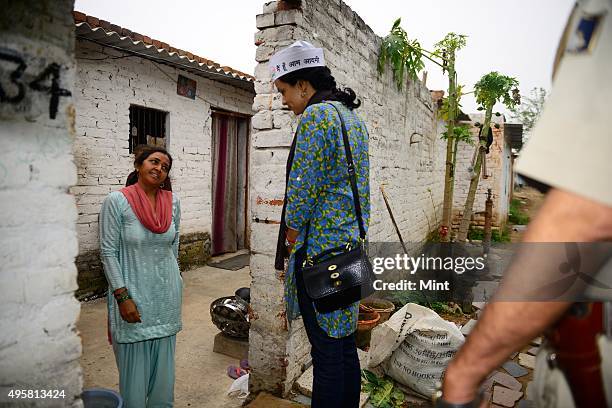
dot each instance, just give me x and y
(240, 387)
(417, 357)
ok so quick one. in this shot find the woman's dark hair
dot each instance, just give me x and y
(142, 152)
(321, 79)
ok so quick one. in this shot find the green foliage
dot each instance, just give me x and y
(383, 392)
(444, 307)
(433, 235)
(450, 43)
(529, 110)
(402, 297)
(477, 234)
(444, 111)
(462, 134)
(515, 215)
(405, 55)
(495, 87)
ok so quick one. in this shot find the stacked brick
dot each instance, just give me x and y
(39, 344)
(499, 176)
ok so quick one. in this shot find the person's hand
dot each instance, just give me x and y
(459, 388)
(290, 239)
(129, 311)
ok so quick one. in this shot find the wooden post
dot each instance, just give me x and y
(486, 242)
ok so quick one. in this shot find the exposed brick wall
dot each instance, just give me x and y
(499, 180)
(406, 155)
(194, 249)
(104, 91)
(91, 279)
(39, 344)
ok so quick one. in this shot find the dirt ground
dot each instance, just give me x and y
(201, 379)
(530, 200)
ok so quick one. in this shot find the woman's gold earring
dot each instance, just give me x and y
(303, 94)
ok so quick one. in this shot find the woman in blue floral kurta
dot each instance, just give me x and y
(318, 194)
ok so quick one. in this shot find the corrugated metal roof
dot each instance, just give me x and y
(91, 28)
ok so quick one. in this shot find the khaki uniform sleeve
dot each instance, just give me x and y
(571, 145)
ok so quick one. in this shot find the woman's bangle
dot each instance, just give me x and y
(119, 291)
(123, 297)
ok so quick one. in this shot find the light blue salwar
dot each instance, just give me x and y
(146, 372)
(147, 265)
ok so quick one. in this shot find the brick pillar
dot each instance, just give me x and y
(406, 154)
(39, 345)
(275, 353)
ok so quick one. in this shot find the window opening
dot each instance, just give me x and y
(147, 127)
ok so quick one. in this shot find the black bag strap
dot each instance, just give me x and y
(353, 181)
(352, 176)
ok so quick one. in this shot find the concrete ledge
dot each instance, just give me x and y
(230, 346)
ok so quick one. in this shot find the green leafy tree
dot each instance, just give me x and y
(446, 49)
(530, 108)
(489, 90)
(406, 56)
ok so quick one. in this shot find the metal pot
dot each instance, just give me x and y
(244, 294)
(231, 315)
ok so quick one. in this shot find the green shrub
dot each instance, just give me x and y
(477, 234)
(515, 215)
(382, 390)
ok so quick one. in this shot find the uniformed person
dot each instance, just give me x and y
(570, 155)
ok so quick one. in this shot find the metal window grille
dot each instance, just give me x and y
(147, 127)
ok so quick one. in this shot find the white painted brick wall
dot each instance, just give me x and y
(104, 92)
(406, 155)
(39, 344)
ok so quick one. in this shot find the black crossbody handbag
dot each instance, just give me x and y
(338, 281)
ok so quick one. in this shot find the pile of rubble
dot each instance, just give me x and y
(509, 386)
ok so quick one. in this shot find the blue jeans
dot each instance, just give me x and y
(337, 376)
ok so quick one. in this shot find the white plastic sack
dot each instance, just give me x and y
(240, 387)
(417, 357)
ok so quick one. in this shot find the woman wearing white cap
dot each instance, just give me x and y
(319, 212)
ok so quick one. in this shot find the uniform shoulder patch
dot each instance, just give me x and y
(585, 35)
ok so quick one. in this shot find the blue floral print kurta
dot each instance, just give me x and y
(319, 192)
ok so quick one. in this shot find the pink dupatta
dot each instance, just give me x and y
(157, 222)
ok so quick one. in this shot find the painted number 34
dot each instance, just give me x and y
(52, 72)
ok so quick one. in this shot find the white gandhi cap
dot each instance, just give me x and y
(300, 54)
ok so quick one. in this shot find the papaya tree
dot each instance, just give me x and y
(404, 55)
(447, 48)
(407, 55)
(489, 90)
